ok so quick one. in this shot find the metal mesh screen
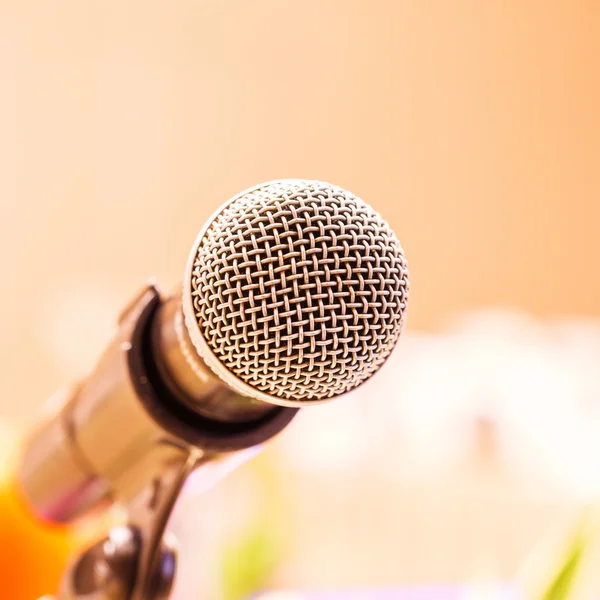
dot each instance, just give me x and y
(300, 288)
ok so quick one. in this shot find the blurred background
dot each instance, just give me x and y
(473, 127)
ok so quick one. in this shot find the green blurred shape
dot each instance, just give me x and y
(563, 582)
(248, 563)
(249, 559)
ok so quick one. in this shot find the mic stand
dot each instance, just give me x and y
(135, 561)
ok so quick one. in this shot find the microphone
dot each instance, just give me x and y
(295, 293)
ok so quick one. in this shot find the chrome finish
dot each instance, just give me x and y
(106, 570)
(189, 378)
(136, 561)
(149, 516)
(58, 480)
(121, 425)
(104, 444)
(295, 292)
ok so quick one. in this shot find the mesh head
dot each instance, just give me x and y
(298, 291)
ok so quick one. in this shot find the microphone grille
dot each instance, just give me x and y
(298, 290)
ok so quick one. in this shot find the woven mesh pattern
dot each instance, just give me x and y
(299, 288)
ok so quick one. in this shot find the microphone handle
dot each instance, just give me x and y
(124, 424)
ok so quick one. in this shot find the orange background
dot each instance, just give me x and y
(32, 555)
(472, 126)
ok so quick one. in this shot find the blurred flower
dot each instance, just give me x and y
(458, 454)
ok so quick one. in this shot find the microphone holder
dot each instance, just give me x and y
(135, 561)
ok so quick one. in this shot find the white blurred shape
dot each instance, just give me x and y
(75, 321)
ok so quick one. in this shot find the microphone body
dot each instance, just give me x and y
(126, 422)
(295, 293)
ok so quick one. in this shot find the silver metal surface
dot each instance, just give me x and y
(104, 571)
(295, 292)
(138, 560)
(103, 444)
(117, 430)
(189, 378)
(149, 516)
(58, 479)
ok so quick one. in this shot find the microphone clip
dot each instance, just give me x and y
(137, 560)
